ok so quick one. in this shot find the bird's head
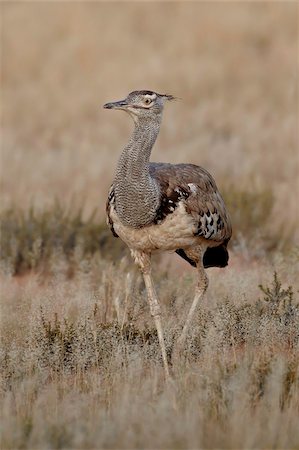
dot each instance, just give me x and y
(142, 104)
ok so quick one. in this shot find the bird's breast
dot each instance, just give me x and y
(176, 231)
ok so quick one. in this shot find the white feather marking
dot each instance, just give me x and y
(193, 188)
(152, 96)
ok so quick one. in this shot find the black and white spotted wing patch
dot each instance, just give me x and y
(169, 203)
(210, 226)
(109, 204)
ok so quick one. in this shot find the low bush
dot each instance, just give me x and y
(30, 239)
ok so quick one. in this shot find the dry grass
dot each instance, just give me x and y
(80, 363)
(81, 366)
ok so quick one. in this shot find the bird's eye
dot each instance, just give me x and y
(147, 101)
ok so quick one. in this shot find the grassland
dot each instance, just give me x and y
(80, 361)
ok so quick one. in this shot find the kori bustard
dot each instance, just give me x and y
(161, 206)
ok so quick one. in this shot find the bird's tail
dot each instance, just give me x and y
(213, 256)
(216, 256)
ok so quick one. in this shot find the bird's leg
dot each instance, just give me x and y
(144, 262)
(156, 313)
(200, 290)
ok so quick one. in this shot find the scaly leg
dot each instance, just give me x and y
(199, 293)
(143, 261)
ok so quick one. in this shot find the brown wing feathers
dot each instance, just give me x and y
(202, 199)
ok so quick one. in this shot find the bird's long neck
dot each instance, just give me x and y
(137, 194)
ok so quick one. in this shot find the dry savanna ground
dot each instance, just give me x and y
(80, 362)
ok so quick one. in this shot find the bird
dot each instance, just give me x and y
(165, 207)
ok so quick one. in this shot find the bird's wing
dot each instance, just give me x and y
(109, 204)
(194, 186)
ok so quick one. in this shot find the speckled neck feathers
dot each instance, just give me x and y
(137, 194)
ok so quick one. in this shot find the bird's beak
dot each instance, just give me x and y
(122, 104)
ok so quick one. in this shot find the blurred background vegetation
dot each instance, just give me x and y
(233, 65)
